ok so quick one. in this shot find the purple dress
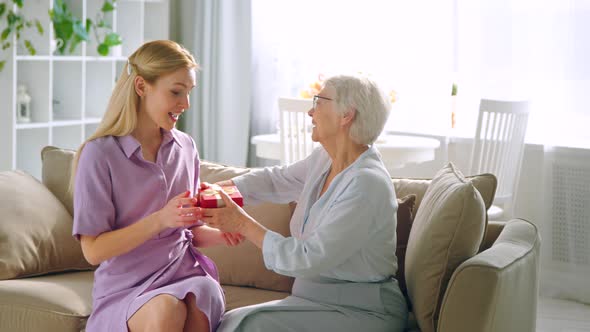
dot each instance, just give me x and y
(115, 187)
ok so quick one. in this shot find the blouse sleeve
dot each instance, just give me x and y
(278, 184)
(94, 211)
(345, 231)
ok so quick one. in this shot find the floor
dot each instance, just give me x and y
(555, 315)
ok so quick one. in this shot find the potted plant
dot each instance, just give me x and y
(71, 30)
(16, 23)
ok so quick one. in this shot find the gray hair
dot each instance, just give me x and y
(371, 105)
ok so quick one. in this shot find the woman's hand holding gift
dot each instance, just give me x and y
(180, 211)
(229, 219)
(230, 239)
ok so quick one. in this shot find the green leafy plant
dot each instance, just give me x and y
(103, 31)
(16, 23)
(72, 31)
(454, 90)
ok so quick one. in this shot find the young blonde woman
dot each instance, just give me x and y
(134, 209)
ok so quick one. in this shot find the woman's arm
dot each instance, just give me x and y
(205, 236)
(97, 249)
(278, 184)
(233, 219)
(344, 231)
(107, 245)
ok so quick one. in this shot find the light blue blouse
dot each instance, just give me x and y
(346, 234)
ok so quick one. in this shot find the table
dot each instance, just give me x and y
(396, 150)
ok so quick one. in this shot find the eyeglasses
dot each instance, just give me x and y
(315, 100)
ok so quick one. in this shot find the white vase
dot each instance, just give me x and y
(23, 105)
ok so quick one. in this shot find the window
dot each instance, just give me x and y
(490, 48)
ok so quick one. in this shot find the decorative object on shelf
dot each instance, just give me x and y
(23, 105)
(55, 45)
(454, 105)
(57, 109)
(71, 30)
(16, 23)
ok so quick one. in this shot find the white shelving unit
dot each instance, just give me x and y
(69, 93)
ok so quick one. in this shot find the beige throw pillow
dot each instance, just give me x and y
(56, 170)
(447, 230)
(35, 230)
(486, 184)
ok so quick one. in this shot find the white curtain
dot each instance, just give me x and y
(218, 32)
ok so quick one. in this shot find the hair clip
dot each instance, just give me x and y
(128, 67)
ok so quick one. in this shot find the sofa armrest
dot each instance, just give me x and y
(496, 290)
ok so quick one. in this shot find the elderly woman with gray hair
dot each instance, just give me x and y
(343, 230)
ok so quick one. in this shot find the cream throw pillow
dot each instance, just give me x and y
(56, 170)
(447, 230)
(35, 230)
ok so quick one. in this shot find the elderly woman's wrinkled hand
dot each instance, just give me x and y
(229, 219)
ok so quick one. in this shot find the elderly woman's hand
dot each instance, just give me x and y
(229, 219)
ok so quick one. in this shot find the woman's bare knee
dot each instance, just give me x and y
(162, 313)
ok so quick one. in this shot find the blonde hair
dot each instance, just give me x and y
(151, 61)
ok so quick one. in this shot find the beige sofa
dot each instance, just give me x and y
(458, 278)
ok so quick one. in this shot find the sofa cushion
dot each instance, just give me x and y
(447, 230)
(59, 302)
(405, 218)
(35, 231)
(56, 173)
(243, 265)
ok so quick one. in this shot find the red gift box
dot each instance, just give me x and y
(210, 197)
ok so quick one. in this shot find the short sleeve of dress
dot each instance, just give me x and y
(94, 211)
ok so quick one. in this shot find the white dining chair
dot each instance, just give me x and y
(295, 129)
(498, 148)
